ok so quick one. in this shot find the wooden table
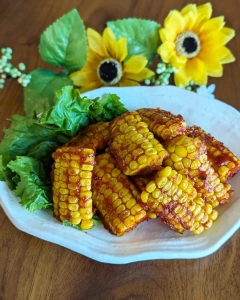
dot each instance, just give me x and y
(31, 268)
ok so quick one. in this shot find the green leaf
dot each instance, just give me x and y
(70, 112)
(39, 94)
(31, 184)
(106, 109)
(142, 36)
(64, 43)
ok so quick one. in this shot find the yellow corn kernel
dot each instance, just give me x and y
(86, 224)
(75, 221)
(181, 151)
(73, 207)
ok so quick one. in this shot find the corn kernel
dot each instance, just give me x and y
(151, 186)
(87, 216)
(73, 207)
(86, 224)
(133, 165)
(161, 182)
(63, 211)
(181, 151)
(191, 148)
(64, 191)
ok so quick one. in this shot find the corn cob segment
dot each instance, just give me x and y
(71, 175)
(188, 215)
(212, 190)
(95, 136)
(163, 124)
(166, 186)
(224, 162)
(187, 155)
(133, 146)
(113, 196)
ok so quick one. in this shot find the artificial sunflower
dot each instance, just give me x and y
(106, 66)
(195, 44)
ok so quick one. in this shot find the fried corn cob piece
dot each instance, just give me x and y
(71, 175)
(189, 215)
(166, 186)
(189, 157)
(212, 190)
(133, 146)
(95, 136)
(113, 196)
(163, 124)
(224, 162)
(141, 181)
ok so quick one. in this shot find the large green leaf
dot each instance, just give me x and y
(142, 36)
(64, 43)
(39, 94)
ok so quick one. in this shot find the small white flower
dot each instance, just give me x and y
(206, 91)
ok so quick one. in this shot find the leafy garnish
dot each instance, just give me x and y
(142, 36)
(39, 94)
(31, 184)
(64, 43)
(106, 109)
(69, 113)
(37, 138)
(96, 222)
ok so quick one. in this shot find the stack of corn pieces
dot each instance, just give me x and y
(142, 165)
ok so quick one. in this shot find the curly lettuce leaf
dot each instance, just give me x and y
(32, 184)
(106, 109)
(70, 113)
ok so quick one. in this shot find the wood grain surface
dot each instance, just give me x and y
(32, 269)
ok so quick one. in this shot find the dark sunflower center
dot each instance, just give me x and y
(190, 44)
(108, 71)
(187, 43)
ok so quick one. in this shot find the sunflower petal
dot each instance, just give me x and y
(128, 82)
(228, 32)
(204, 13)
(121, 49)
(180, 78)
(135, 64)
(142, 75)
(83, 76)
(189, 20)
(109, 41)
(91, 86)
(166, 50)
(189, 8)
(205, 10)
(214, 24)
(96, 43)
(175, 21)
(167, 34)
(196, 69)
(226, 56)
(178, 61)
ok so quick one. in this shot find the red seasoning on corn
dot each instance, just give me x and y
(153, 167)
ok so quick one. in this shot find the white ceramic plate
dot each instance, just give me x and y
(150, 240)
